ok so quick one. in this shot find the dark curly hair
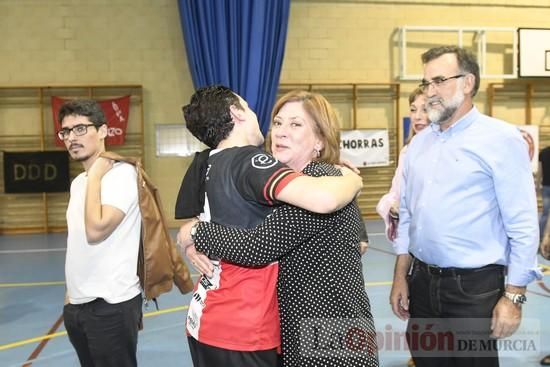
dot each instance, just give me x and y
(82, 107)
(467, 62)
(208, 115)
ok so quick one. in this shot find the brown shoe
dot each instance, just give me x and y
(410, 363)
(545, 361)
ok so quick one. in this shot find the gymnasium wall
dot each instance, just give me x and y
(65, 42)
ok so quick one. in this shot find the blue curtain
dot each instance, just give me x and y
(237, 43)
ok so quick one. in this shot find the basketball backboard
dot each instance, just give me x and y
(534, 52)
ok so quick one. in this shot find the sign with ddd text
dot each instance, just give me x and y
(365, 148)
(31, 172)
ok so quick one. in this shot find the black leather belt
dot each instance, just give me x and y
(451, 272)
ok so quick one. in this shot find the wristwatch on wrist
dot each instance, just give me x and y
(193, 231)
(516, 298)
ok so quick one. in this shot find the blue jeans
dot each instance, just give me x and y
(104, 334)
(545, 208)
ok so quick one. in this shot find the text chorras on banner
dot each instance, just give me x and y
(116, 112)
(365, 148)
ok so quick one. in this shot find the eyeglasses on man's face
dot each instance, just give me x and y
(437, 81)
(78, 130)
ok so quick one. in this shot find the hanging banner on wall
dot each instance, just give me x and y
(116, 112)
(365, 148)
(26, 172)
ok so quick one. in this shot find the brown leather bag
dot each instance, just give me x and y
(160, 263)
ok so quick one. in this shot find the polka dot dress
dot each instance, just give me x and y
(325, 312)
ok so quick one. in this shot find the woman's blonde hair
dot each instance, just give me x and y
(412, 97)
(327, 123)
(414, 94)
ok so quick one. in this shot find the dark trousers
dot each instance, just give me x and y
(204, 355)
(454, 307)
(104, 334)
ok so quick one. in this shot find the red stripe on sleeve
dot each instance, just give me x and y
(277, 182)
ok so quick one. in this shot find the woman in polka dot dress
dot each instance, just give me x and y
(325, 311)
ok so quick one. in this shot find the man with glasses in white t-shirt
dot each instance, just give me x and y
(103, 313)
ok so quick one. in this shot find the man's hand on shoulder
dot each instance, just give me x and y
(355, 177)
(100, 167)
(347, 163)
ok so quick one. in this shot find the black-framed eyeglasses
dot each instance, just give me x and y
(437, 81)
(78, 130)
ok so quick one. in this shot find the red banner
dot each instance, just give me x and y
(116, 112)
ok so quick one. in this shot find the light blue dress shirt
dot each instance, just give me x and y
(468, 198)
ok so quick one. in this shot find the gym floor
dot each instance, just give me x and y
(32, 291)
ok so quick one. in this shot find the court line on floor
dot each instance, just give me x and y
(387, 252)
(148, 314)
(32, 251)
(70, 351)
(63, 249)
(54, 283)
(63, 333)
(546, 271)
(49, 357)
(32, 284)
(48, 284)
(36, 352)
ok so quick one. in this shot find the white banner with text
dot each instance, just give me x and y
(365, 148)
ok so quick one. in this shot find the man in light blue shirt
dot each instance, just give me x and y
(468, 213)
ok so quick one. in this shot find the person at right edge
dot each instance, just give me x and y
(468, 217)
(543, 185)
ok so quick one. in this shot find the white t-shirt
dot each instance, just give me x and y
(107, 269)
